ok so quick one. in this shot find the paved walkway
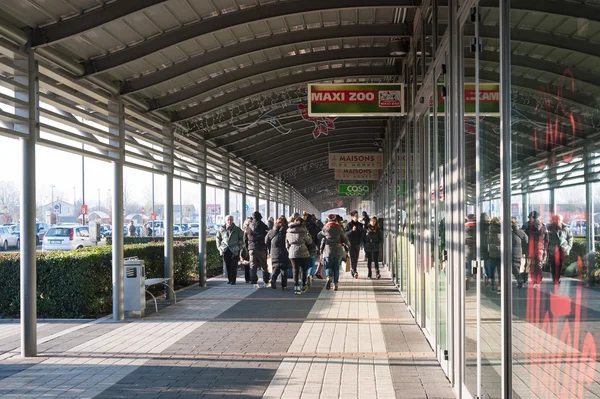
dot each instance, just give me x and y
(234, 341)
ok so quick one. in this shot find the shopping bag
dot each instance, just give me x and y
(525, 265)
(269, 265)
(347, 262)
(320, 268)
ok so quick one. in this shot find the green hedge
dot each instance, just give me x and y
(145, 240)
(579, 250)
(78, 284)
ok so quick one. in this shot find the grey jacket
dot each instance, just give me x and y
(296, 241)
(231, 237)
(332, 237)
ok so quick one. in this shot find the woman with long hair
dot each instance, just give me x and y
(372, 241)
(297, 241)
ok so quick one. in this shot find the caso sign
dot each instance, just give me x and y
(353, 190)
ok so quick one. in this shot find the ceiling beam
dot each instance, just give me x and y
(259, 44)
(239, 74)
(285, 147)
(228, 20)
(336, 73)
(275, 166)
(298, 126)
(570, 9)
(539, 64)
(564, 42)
(82, 23)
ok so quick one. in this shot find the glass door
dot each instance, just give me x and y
(429, 223)
(441, 139)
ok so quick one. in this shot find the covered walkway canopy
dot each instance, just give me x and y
(214, 92)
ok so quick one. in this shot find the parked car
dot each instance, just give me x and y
(8, 239)
(579, 227)
(177, 230)
(41, 229)
(194, 229)
(158, 228)
(66, 238)
(211, 230)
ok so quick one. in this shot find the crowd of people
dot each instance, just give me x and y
(533, 245)
(303, 244)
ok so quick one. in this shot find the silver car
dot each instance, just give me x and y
(8, 239)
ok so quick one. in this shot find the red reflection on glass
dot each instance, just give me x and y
(558, 366)
(557, 133)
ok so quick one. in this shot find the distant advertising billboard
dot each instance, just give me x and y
(356, 174)
(353, 190)
(489, 99)
(368, 160)
(356, 99)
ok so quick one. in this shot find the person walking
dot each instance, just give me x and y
(365, 221)
(245, 255)
(276, 245)
(297, 241)
(332, 240)
(519, 241)
(484, 251)
(132, 230)
(313, 247)
(372, 241)
(354, 231)
(254, 238)
(495, 250)
(560, 242)
(537, 235)
(229, 243)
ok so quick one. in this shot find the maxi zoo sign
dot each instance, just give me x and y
(355, 99)
(353, 190)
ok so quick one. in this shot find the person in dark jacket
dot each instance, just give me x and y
(484, 242)
(271, 223)
(519, 241)
(494, 250)
(538, 245)
(355, 232)
(297, 240)
(333, 239)
(229, 243)
(470, 243)
(373, 239)
(313, 248)
(560, 242)
(318, 222)
(280, 260)
(254, 238)
(365, 221)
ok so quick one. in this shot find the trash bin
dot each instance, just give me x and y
(135, 288)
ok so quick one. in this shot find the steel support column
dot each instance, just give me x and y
(30, 80)
(117, 117)
(202, 229)
(589, 210)
(169, 256)
(505, 192)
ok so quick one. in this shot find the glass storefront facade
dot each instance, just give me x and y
(494, 190)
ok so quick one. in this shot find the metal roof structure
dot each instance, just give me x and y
(231, 73)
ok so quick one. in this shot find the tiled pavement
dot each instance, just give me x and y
(234, 341)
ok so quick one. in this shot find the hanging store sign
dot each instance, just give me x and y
(489, 99)
(356, 174)
(353, 190)
(367, 160)
(358, 99)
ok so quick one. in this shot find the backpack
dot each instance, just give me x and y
(280, 238)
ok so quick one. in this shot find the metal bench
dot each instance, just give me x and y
(154, 281)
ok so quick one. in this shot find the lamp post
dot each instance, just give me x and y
(52, 201)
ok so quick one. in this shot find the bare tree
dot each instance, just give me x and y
(9, 197)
